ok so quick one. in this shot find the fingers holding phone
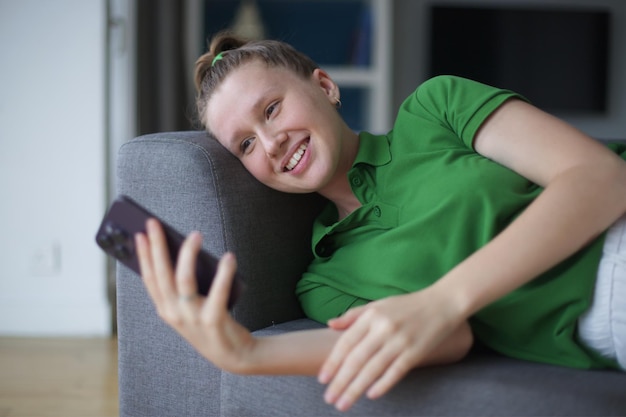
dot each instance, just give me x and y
(178, 286)
(186, 286)
(173, 291)
(217, 302)
(162, 244)
(173, 288)
(192, 290)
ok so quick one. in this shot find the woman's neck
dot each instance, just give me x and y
(338, 190)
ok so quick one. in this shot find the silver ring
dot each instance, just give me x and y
(187, 298)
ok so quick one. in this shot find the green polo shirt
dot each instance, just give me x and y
(428, 202)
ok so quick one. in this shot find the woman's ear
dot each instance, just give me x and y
(330, 88)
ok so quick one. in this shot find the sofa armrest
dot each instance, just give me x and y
(193, 183)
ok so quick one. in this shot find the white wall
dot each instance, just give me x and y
(411, 27)
(52, 167)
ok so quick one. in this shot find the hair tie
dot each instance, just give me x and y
(218, 57)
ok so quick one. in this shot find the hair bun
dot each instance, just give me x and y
(222, 42)
(225, 41)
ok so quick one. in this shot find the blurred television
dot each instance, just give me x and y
(558, 58)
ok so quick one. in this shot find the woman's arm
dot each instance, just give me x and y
(304, 352)
(585, 192)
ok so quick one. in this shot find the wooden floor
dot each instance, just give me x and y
(58, 377)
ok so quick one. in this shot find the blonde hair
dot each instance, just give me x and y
(227, 52)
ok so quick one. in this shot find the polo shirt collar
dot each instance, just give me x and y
(373, 150)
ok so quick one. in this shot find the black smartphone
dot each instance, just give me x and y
(116, 236)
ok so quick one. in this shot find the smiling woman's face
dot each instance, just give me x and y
(284, 129)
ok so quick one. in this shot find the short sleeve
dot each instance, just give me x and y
(460, 104)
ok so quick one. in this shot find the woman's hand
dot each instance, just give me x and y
(204, 322)
(385, 339)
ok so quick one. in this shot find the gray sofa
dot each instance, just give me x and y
(194, 184)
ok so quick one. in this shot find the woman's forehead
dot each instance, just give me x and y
(245, 85)
(256, 72)
(248, 85)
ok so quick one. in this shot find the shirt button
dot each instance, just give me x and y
(356, 181)
(325, 248)
(377, 211)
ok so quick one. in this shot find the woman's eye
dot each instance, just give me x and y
(246, 144)
(270, 110)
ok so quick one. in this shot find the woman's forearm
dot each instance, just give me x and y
(292, 353)
(304, 352)
(575, 208)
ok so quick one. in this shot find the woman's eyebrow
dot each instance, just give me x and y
(263, 97)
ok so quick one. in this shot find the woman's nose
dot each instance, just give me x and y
(272, 142)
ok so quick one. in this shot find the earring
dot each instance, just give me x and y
(338, 104)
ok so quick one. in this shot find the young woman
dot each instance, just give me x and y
(477, 216)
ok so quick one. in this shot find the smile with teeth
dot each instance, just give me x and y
(296, 157)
